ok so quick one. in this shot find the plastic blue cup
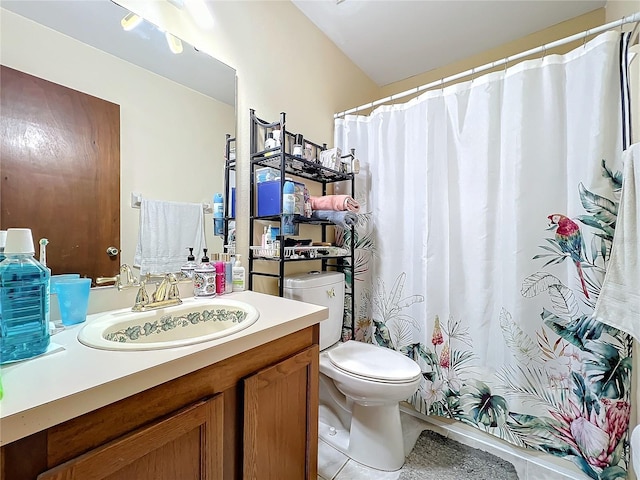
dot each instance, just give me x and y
(53, 281)
(73, 298)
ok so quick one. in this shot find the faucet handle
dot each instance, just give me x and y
(142, 297)
(126, 277)
(103, 280)
(174, 290)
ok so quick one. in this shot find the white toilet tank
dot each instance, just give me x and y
(325, 289)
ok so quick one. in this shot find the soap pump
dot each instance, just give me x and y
(188, 268)
(204, 278)
(238, 276)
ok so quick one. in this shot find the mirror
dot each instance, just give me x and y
(175, 109)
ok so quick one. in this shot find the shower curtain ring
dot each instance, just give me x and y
(442, 85)
(584, 40)
(506, 63)
(544, 51)
(473, 74)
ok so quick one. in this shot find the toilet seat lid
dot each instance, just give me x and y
(373, 362)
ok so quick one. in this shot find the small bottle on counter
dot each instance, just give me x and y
(220, 275)
(238, 276)
(188, 268)
(204, 278)
(228, 273)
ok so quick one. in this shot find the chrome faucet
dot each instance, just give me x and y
(122, 280)
(166, 295)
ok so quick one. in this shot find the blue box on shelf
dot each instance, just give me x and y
(270, 198)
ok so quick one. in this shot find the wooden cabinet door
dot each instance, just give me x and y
(281, 420)
(186, 445)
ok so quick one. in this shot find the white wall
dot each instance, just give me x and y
(284, 64)
(168, 151)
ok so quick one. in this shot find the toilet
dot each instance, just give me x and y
(361, 384)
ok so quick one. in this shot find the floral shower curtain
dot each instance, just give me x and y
(490, 207)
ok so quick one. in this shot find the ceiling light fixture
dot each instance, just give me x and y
(175, 44)
(130, 21)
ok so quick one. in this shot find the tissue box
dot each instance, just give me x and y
(270, 198)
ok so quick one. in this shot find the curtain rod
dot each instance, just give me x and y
(542, 49)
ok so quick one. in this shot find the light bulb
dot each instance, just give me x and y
(175, 44)
(130, 21)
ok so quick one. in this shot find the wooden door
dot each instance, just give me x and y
(60, 171)
(185, 446)
(281, 420)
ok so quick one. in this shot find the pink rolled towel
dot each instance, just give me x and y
(335, 202)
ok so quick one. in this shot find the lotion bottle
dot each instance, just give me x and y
(238, 276)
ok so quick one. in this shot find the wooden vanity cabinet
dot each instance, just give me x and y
(251, 416)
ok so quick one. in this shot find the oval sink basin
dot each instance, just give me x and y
(194, 321)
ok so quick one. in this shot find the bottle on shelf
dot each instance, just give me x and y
(24, 296)
(218, 214)
(298, 149)
(268, 241)
(288, 208)
(271, 143)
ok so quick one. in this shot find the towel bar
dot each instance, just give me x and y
(136, 200)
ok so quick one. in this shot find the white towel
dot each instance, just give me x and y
(167, 229)
(618, 304)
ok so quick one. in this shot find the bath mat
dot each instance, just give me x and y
(435, 457)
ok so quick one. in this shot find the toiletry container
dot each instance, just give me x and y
(228, 273)
(298, 149)
(218, 214)
(24, 296)
(269, 144)
(220, 275)
(204, 278)
(188, 268)
(238, 276)
(288, 208)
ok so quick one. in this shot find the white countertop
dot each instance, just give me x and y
(50, 389)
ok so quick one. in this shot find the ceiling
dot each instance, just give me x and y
(391, 40)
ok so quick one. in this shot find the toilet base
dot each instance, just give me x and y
(373, 439)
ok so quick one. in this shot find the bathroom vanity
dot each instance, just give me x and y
(243, 406)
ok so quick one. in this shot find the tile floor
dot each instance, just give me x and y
(334, 465)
